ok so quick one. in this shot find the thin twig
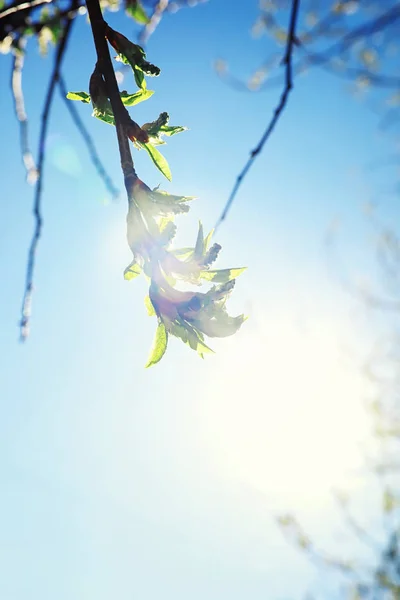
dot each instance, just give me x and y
(121, 114)
(287, 61)
(373, 26)
(148, 30)
(94, 156)
(19, 107)
(17, 7)
(27, 299)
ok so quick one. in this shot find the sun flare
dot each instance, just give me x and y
(288, 419)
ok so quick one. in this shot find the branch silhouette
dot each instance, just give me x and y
(287, 61)
(121, 114)
(94, 156)
(37, 210)
(18, 6)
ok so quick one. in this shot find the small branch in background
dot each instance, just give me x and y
(155, 19)
(18, 6)
(94, 157)
(27, 299)
(19, 107)
(287, 61)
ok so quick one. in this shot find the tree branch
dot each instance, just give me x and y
(95, 158)
(19, 107)
(27, 299)
(18, 6)
(121, 114)
(287, 61)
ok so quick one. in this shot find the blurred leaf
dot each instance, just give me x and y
(280, 34)
(221, 275)
(199, 247)
(45, 36)
(390, 501)
(311, 19)
(79, 96)
(132, 271)
(135, 10)
(159, 345)
(207, 240)
(183, 253)
(149, 307)
(346, 7)
(369, 58)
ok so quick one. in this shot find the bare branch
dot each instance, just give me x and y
(155, 19)
(27, 299)
(18, 6)
(94, 156)
(287, 61)
(19, 107)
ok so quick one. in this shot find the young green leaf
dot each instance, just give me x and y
(159, 345)
(172, 129)
(149, 307)
(80, 96)
(221, 275)
(132, 99)
(158, 160)
(105, 115)
(132, 271)
(207, 240)
(135, 10)
(132, 54)
(156, 129)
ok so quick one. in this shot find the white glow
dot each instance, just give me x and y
(288, 419)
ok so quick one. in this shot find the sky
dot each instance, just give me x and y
(121, 482)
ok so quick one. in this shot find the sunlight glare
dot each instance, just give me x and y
(287, 418)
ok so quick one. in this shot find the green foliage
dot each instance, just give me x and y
(133, 99)
(135, 10)
(159, 345)
(79, 96)
(132, 271)
(221, 275)
(158, 159)
(189, 315)
(133, 55)
(102, 108)
(156, 129)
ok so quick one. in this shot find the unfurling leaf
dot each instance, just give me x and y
(132, 54)
(156, 129)
(159, 345)
(80, 96)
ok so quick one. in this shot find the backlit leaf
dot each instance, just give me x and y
(159, 345)
(132, 271)
(158, 160)
(221, 275)
(80, 96)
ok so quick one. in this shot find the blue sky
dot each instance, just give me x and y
(120, 482)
